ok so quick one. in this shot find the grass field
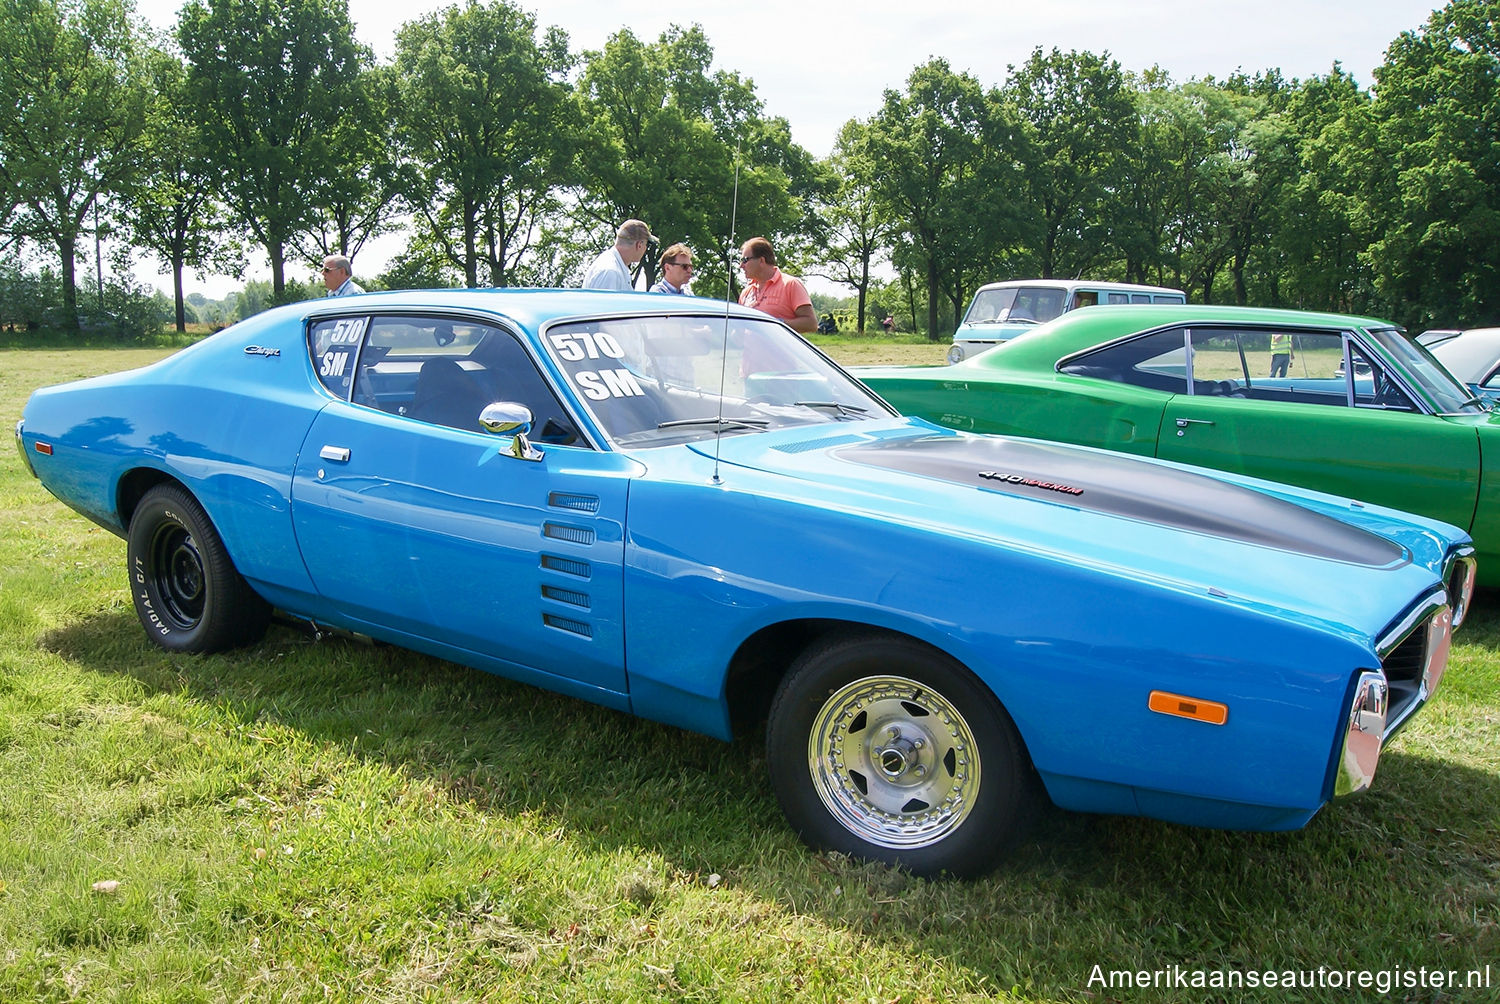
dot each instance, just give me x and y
(332, 821)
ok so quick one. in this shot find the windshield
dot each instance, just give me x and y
(1026, 304)
(1447, 394)
(650, 381)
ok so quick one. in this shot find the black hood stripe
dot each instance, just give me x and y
(1125, 486)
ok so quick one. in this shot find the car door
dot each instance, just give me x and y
(440, 534)
(1361, 435)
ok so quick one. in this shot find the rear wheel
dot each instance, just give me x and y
(188, 594)
(882, 748)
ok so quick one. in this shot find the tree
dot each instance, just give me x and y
(1324, 225)
(1437, 105)
(665, 140)
(947, 153)
(1080, 118)
(484, 125)
(72, 86)
(174, 213)
(1162, 182)
(854, 224)
(361, 199)
(273, 83)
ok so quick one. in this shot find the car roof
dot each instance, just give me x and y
(1072, 283)
(527, 307)
(1078, 330)
(1469, 355)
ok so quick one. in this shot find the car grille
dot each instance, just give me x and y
(1403, 671)
(1413, 656)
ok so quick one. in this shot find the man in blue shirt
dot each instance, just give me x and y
(338, 276)
(676, 270)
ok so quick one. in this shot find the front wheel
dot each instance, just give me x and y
(188, 594)
(881, 748)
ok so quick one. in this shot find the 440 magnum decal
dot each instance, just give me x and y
(1021, 479)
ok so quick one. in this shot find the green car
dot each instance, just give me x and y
(1345, 405)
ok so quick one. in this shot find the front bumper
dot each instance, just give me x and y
(21, 446)
(1413, 657)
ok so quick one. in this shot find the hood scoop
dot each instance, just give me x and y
(1122, 485)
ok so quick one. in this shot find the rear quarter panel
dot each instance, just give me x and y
(226, 423)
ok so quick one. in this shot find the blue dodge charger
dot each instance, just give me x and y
(684, 511)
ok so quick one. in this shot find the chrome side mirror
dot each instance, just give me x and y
(507, 418)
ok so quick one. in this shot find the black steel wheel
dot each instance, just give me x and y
(882, 748)
(188, 594)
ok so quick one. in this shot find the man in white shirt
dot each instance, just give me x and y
(338, 276)
(611, 270)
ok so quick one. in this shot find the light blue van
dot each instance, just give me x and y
(1003, 310)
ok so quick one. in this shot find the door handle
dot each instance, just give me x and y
(335, 453)
(1183, 423)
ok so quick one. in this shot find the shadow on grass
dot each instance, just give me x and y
(1402, 876)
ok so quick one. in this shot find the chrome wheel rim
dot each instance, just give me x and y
(894, 762)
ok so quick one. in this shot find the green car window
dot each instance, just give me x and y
(1449, 397)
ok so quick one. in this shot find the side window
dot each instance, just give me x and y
(1373, 387)
(1298, 367)
(1134, 298)
(1219, 362)
(445, 371)
(1157, 361)
(334, 346)
(1166, 298)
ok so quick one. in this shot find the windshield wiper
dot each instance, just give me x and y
(842, 409)
(717, 421)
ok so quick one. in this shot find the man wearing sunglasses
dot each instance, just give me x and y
(676, 270)
(338, 276)
(771, 292)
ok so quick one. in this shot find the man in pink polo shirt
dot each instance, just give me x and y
(781, 296)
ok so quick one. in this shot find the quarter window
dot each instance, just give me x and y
(334, 345)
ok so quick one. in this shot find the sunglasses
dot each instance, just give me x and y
(748, 258)
(681, 264)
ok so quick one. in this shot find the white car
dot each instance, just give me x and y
(1001, 311)
(1474, 357)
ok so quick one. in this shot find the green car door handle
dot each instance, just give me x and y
(1183, 423)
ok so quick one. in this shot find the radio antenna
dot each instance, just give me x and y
(734, 208)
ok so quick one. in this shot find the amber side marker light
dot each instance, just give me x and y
(1211, 712)
(45, 449)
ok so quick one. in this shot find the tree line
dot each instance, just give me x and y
(507, 159)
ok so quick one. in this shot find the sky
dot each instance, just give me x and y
(819, 64)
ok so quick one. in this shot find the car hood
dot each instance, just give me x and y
(1012, 490)
(1124, 486)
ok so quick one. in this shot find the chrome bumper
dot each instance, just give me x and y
(1413, 657)
(21, 447)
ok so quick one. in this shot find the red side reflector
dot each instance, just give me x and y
(1211, 712)
(45, 449)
